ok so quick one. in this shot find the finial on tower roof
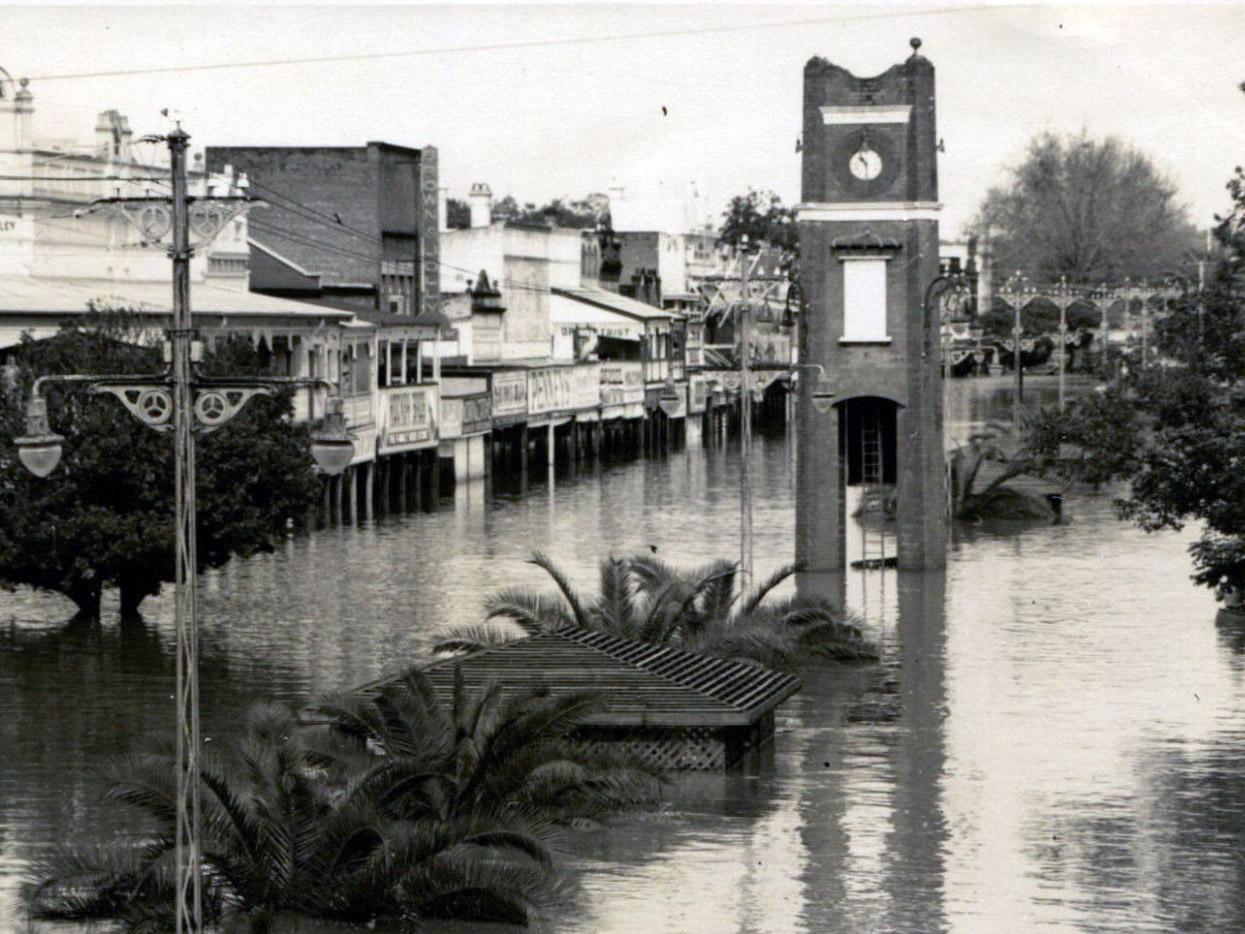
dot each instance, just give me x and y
(915, 42)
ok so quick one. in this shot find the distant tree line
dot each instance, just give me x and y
(588, 213)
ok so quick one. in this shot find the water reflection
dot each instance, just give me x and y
(1053, 740)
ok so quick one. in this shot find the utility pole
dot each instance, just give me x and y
(745, 424)
(188, 857)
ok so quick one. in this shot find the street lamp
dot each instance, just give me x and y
(1017, 293)
(331, 447)
(40, 448)
(669, 398)
(183, 401)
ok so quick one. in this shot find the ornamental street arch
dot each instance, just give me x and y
(868, 226)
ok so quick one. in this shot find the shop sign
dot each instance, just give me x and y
(477, 415)
(410, 417)
(770, 348)
(698, 394)
(509, 393)
(622, 383)
(564, 388)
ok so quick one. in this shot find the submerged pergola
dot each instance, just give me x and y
(675, 709)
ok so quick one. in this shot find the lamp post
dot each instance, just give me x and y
(1016, 292)
(187, 403)
(743, 323)
(950, 290)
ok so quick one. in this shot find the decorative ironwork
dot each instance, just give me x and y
(151, 402)
(153, 218)
(214, 407)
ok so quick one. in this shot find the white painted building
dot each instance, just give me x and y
(60, 251)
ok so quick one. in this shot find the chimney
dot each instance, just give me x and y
(127, 137)
(107, 140)
(443, 210)
(481, 201)
(23, 110)
(16, 158)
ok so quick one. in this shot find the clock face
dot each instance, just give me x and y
(866, 163)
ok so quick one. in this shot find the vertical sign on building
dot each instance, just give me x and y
(429, 272)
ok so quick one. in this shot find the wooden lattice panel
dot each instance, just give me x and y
(694, 749)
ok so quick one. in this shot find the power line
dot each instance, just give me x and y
(79, 178)
(372, 257)
(503, 46)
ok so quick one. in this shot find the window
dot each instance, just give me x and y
(864, 300)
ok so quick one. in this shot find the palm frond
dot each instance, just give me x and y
(533, 611)
(658, 618)
(755, 598)
(476, 637)
(615, 607)
(545, 563)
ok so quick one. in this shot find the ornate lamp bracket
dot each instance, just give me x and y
(216, 405)
(153, 217)
(151, 402)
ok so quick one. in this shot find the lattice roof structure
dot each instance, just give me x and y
(644, 685)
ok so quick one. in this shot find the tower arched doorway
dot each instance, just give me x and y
(868, 438)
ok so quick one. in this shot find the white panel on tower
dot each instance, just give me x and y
(864, 300)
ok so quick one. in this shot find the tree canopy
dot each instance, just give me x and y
(105, 517)
(760, 216)
(1174, 425)
(1090, 210)
(457, 214)
(590, 212)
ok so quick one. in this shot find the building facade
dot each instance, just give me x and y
(352, 226)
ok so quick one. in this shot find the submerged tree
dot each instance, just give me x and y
(701, 610)
(1174, 425)
(105, 517)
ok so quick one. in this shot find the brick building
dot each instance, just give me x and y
(354, 227)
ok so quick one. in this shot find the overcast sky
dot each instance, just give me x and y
(566, 119)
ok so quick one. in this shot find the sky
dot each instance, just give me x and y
(549, 117)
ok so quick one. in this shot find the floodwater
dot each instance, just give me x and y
(1053, 741)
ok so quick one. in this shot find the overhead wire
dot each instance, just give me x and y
(503, 46)
(312, 214)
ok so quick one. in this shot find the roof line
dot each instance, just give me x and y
(263, 248)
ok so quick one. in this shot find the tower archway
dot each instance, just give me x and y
(869, 440)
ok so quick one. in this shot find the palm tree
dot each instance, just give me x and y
(507, 755)
(291, 829)
(647, 600)
(996, 499)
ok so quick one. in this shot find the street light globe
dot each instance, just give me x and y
(39, 455)
(670, 398)
(332, 455)
(39, 449)
(331, 447)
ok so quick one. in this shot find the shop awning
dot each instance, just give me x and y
(565, 311)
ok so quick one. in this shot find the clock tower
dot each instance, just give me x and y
(868, 226)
